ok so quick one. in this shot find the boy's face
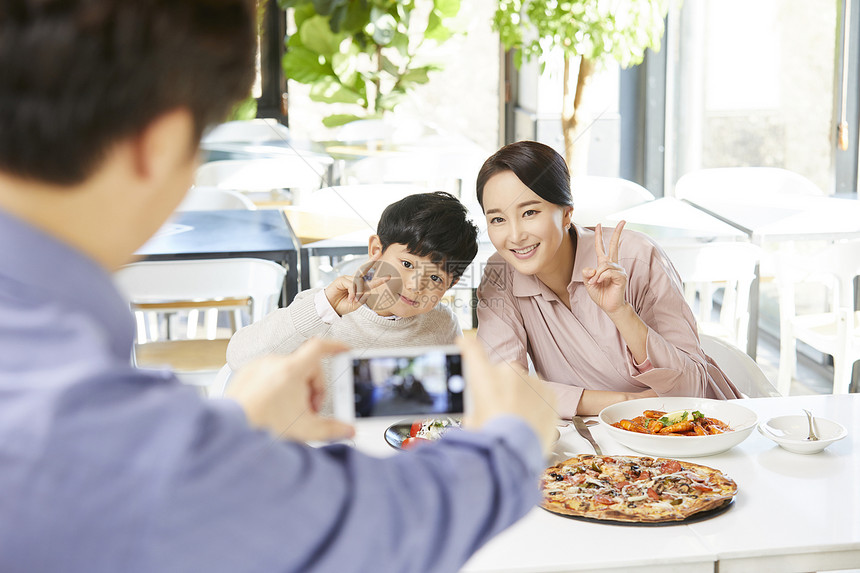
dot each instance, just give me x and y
(416, 284)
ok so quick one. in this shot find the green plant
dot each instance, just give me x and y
(591, 30)
(368, 53)
(245, 109)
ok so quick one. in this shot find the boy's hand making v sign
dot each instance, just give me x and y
(347, 293)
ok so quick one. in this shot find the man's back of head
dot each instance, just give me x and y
(79, 76)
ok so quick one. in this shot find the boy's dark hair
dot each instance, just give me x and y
(81, 75)
(434, 225)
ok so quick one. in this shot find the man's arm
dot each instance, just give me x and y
(287, 507)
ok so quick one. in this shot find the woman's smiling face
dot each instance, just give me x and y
(524, 228)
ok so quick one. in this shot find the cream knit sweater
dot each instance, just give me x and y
(284, 330)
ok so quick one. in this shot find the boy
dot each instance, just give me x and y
(423, 245)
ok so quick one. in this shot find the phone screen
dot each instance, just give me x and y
(427, 384)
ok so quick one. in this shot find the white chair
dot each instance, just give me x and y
(363, 130)
(438, 168)
(211, 199)
(398, 130)
(222, 380)
(706, 268)
(263, 175)
(739, 367)
(739, 183)
(247, 288)
(214, 199)
(258, 130)
(596, 197)
(363, 202)
(834, 330)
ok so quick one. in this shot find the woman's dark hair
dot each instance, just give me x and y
(538, 166)
(81, 75)
(434, 225)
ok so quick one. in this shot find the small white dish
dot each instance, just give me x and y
(790, 432)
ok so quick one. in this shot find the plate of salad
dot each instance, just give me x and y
(405, 435)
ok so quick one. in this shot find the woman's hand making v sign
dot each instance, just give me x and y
(607, 285)
(608, 282)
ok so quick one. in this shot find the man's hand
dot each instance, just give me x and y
(283, 394)
(504, 388)
(346, 294)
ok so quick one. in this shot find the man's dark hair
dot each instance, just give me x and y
(434, 225)
(78, 76)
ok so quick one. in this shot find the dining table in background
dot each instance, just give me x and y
(339, 155)
(775, 221)
(792, 512)
(790, 218)
(670, 221)
(272, 149)
(264, 234)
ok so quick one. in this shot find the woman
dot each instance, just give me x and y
(601, 322)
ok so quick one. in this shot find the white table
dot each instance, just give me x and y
(672, 221)
(264, 234)
(792, 512)
(791, 218)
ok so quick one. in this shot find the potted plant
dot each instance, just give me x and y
(587, 33)
(367, 54)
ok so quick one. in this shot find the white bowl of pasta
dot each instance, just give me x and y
(678, 427)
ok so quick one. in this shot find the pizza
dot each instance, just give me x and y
(634, 488)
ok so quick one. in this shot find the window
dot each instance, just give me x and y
(752, 84)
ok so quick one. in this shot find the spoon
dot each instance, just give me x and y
(812, 436)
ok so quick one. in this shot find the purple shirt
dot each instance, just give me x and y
(105, 468)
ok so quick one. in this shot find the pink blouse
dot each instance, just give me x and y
(580, 348)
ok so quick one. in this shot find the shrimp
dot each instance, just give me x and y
(676, 428)
(633, 427)
(655, 426)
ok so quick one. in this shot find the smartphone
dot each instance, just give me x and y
(399, 383)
